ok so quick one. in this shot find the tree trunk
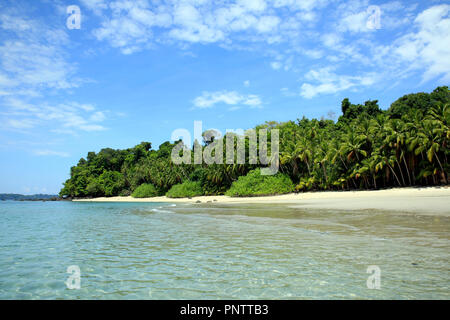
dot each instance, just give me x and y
(440, 165)
(407, 170)
(325, 173)
(307, 164)
(401, 173)
(395, 175)
(366, 181)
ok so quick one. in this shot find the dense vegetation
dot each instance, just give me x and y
(185, 189)
(32, 197)
(145, 190)
(367, 148)
(255, 184)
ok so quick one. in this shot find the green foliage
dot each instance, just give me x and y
(367, 148)
(111, 183)
(255, 184)
(125, 193)
(145, 190)
(353, 111)
(423, 102)
(185, 189)
(94, 188)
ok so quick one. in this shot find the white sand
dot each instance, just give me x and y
(423, 200)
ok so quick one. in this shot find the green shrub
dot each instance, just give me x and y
(255, 184)
(145, 190)
(185, 189)
(94, 188)
(125, 193)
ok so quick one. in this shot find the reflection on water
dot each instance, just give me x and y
(157, 251)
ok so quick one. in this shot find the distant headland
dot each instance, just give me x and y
(32, 197)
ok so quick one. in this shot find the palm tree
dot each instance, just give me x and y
(430, 143)
(395, 138)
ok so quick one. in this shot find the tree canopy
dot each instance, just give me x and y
(367, 148)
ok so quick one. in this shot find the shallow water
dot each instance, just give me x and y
(162, 251)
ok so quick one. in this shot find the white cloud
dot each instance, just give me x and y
(306, 5)
(429, 46)
(276, 65)
(98, 116)
(287, 32)
(33, 57)
(209, 99)
(133, 26)
(246, 83)
(313, 53)
(253, 5)
(252, 100)
(267, 23)
(290, 28)
(189, 25)
(351, 36)
(282, 62)
(20, 124)
(128, 25)
(34, 65)
(63, 118)
(51, 153)
(356, 22)
(97, 6)
(359, 16)
(327, 82)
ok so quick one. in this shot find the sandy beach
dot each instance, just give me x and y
(420, 200)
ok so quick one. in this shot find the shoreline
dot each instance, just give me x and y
(419, 200)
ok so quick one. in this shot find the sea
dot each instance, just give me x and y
(89, 250)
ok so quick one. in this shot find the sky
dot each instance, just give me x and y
(116, 73)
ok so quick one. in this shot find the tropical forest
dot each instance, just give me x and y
(366, 148)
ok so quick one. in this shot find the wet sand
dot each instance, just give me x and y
(433, 200)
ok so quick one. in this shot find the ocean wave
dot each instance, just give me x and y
(161, 210)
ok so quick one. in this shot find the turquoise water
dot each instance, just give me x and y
(162, 251)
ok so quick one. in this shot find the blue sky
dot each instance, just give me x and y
(137, 70)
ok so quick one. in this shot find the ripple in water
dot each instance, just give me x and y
(163, 251)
